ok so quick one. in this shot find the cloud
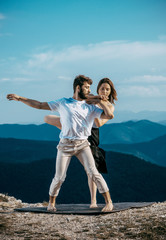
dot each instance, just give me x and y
(162, 37)
(15, 79)
(147, 79)
(5, 79)
(22, 79)
(2, 16)
(64, 78)
(140, 91)
(5, 34)
(105, 51)
(136, 68)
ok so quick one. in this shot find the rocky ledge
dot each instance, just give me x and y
(143, 223)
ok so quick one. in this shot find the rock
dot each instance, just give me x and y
(143, 223)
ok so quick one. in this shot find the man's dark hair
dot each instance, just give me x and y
(79, 80)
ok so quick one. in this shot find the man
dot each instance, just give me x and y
(77, 118)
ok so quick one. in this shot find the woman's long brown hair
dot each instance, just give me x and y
(113, 94)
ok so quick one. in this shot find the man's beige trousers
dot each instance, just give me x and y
(80, 148)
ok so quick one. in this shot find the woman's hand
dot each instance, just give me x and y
(103, 97)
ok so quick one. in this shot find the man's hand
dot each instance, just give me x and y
(96, 99)
(93, 101)
(13, 97)
(29, 102)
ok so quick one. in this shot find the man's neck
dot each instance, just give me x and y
(76, 97)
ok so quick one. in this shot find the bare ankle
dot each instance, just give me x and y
(51, 204)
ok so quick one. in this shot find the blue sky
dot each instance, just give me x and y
(44, 44)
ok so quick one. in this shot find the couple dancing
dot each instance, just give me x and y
(77, 117)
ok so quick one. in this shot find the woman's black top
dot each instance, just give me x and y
(98, 153)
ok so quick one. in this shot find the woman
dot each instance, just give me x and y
(105, 89)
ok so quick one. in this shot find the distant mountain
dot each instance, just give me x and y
(131, 132)
(124, 116)
(129, 179)
(22, 151)
(162, 122)
(31, 131)
(153, 151)
(126, 132)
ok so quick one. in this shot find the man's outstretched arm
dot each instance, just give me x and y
(29, 102)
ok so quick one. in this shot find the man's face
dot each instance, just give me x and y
(84, 90)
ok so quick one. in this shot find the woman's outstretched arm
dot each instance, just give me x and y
(53, 120)
(100, 122)
(102, 102)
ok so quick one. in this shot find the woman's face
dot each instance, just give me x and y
(104, 89)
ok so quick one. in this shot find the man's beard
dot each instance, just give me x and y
(82, 95)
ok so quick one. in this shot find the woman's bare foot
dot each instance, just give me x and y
(108, 207)
(51, 207)
(93, 205)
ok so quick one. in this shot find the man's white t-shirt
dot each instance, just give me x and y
(76, 117)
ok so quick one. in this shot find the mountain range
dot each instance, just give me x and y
(154, 116)
(125, 132)
(31, 131)
(153, 151)
(129, 179)
(119, 116)
(28, 152)
(23, 151)
(131, 132)
(144, 139)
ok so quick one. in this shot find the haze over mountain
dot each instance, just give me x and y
(119, 116)
(163, 122)
(31, 131)
(131, 132)
(125, 132)
(153, 151)
(124, 116)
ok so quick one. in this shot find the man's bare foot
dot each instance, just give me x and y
(93, 205)
(51, 207)
(108, 207)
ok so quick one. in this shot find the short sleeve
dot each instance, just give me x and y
(54, 105)
(97, 112)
